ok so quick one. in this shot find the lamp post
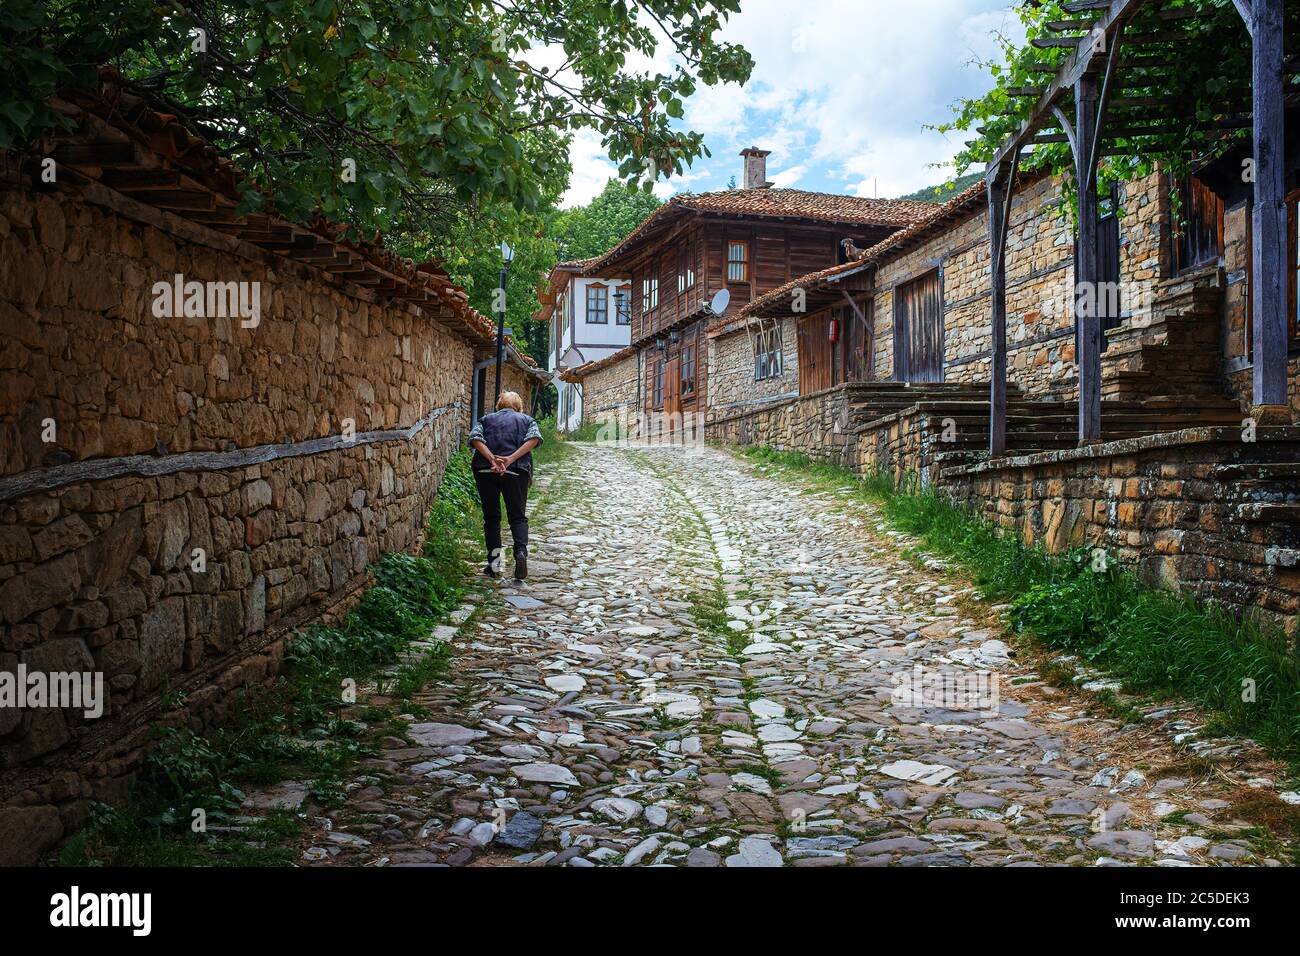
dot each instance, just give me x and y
(507, 253)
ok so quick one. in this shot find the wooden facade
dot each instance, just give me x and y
(675, 276)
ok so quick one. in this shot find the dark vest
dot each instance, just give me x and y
(503, 432)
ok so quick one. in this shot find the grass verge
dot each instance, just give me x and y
(1237, 668)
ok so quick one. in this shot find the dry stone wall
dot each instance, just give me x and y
(204, 488)
(731, 371)
(1199, 510)
(611, 393)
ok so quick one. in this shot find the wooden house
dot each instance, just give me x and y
(747, 241)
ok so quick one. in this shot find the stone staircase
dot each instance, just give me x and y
(1176, 351)
(951, 427)
(1267, 503)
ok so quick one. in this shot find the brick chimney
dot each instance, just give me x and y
(756, 167)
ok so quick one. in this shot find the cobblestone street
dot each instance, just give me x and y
(723, 679)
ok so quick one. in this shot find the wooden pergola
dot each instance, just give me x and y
(1111, 57)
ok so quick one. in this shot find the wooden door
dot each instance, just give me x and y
(857, 343)
(815, 358)
(673, 389)
(918, 330)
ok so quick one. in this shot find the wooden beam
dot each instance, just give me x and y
(1244, 8)
(1000, 183)
(1087, 319)
(1269, 238)
(95, 154)
(1086, 58)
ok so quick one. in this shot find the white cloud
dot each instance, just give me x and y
(591, 169)
(841, 92)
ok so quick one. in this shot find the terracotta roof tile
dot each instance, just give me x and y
(161, 145)
(775, 204)
(938, 216)
(582, 371)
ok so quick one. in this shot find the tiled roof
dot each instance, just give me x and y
(775, 204)
(152, 158)
(938, 217)
(582, 371)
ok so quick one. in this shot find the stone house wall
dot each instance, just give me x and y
(1040, 346)
(202, 491)
(610, 393)
(731, 370)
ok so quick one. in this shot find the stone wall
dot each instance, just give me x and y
(1199, 509)
(515, 379)
(816, 424)
(731, 371)
(611, 392)
(179, 493)
(1040, 347)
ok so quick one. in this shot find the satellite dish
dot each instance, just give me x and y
(718, 304)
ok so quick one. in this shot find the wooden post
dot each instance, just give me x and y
(1087, 317)
(999, 181)
(1269, 240)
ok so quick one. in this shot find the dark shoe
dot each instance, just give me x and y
(490, 572)
(521, 563)
(493, 567)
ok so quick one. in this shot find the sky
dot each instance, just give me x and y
(840, 93)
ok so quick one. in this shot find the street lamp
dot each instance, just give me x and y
(507, 254)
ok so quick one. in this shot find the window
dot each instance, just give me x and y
(649, 294)
(657, 392)
(688, 370)
(623, 306)
(767, 354)
(597, 305)
(685, 275)
(737, 262)
(1198, 227)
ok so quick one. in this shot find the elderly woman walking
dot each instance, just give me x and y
(503, 443)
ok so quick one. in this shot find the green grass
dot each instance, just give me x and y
(1159, 642)
(302, 727)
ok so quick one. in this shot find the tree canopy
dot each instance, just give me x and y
(393, 115)
(593, 229)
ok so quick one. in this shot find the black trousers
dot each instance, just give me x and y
(514, 489)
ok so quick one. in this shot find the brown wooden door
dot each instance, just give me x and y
(857, 343)
(815, 358)
(673, 389)
(918, 330)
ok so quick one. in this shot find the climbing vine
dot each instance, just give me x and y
(1191, 85)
